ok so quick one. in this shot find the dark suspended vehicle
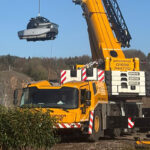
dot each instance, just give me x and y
(39, 29)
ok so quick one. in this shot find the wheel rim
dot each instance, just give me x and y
(96, 126)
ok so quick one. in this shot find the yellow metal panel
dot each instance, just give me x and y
(122, 64)
(39, 84)
(143, 143)
(100, 29)
(65, 117)
(101, 95)
(137, 64)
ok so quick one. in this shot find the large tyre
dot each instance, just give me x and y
(115, 111)
(116, 132)
(97, 126)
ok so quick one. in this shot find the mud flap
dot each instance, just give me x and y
(117, 122)
(123, 122)
(142, 122)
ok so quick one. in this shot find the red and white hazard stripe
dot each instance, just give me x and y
(130, 123)
(67, 125)
(84, 77)
(91, 122)
(101, 75)
(63, 76)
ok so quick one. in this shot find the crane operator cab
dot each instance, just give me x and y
(39, 29)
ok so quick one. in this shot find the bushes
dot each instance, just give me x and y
(24, 128)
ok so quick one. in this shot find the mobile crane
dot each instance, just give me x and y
(92, 99)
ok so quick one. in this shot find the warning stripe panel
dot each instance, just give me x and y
(84, 77)
(130, 123)
(63, 80)
(67, 125)
(91, 122)
(102, 78)
(63, 73)
(63, 76)
(101, 75)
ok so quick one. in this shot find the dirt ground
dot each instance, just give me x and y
(122, 143)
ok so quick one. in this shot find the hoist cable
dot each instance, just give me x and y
(39, 8)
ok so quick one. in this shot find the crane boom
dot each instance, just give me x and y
(107, 33)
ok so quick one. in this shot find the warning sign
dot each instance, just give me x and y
(122, 64)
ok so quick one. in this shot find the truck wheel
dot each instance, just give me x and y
(115, 111)
(116, 132)
(97, 127)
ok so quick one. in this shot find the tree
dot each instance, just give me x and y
(135, 53)
(148, 57)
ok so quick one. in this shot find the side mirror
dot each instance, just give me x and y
(88, 103)
(15, 97)
(88, 95)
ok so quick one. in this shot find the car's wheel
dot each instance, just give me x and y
(97, 126)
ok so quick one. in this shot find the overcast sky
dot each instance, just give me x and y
(73, 38)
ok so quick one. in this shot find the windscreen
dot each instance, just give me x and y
(52, 98)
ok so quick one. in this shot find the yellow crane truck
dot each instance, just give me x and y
(93, 98)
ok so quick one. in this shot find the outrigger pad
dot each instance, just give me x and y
(39, 29)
